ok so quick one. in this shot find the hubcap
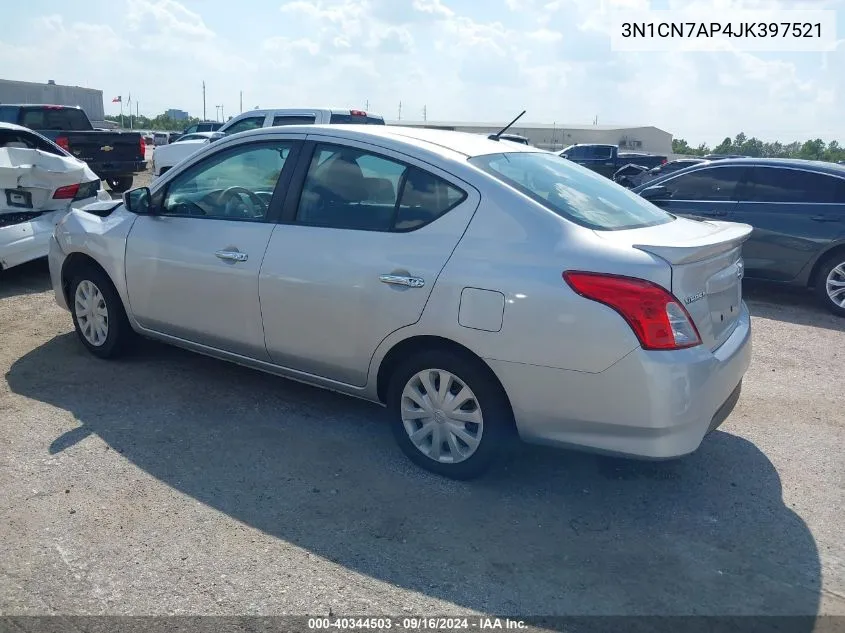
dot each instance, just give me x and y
(91, 313)
(835, 285)
(441, 416)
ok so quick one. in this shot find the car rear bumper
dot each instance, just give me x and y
(118, 168)
(650, 404)
(55, 260)
(23, 242)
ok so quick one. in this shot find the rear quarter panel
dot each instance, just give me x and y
(518, 248)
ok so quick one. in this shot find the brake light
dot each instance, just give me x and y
(658, 320)
(663, 161)
(61, 141)
(357, 113)
(142, 146)
(67, 192)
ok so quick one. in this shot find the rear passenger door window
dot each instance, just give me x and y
(714, 184)
(289, 119)
(771, 184)
(348, 188)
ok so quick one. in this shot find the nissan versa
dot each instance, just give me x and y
(481, 290)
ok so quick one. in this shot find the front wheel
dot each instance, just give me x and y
(449, 414)
(830, 284)
(98, 315)
(119, 184)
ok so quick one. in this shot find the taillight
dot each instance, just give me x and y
(658, 320)
(663, 161)
(357, 113)
(61, 141)
(143, 146)
(67, 192)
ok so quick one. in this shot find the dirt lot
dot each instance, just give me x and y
(171, 483)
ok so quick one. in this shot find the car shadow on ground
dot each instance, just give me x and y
(788, 304)
(29, 278)
(552, 532)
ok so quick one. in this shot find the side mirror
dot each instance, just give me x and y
(139, 201)
(655, 192)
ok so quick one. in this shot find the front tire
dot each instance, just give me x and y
(120, 184)
(830, 284)
(98, 314)
(449, 414)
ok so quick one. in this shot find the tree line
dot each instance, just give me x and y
(161, 122)
(815, 149)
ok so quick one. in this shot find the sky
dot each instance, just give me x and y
(455, 60)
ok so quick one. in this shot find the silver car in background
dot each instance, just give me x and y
(483, 291)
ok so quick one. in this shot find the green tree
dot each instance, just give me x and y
(725, 147)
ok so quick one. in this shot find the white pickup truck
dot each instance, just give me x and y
(167, 156)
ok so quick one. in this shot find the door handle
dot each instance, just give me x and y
(231, 256)
(824, 218)
(402, 280)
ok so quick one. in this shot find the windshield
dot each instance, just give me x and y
(573, 192)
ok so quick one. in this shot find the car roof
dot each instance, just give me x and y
(444, 142)
(266, 111)
(795, 163)
(41, 105)
(13, 126)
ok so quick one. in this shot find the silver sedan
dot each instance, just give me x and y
(482, 291)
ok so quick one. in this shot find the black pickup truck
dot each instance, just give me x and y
(607, 159)
(114, 156)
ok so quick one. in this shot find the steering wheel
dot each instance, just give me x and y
(225, 196)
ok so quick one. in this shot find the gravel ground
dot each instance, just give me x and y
(170, 483)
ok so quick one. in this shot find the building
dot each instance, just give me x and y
(89, 99)
(176, 115)
(554, 136)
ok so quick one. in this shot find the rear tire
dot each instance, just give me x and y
(120, 184)
(449, 414)
(98, 314)
(830, 283)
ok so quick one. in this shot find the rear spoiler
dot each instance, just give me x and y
(727, 237)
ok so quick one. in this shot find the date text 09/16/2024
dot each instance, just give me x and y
(415, 623)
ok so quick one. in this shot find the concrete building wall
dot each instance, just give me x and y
(176, 114)
(89, 99)
(556, 137)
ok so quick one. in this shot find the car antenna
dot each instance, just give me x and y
(496, 136)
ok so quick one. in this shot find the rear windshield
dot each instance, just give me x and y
(54, 118)
(356, 119)
(573, 192)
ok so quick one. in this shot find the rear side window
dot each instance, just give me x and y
(713, 184)
(357, 119)
(347, 188)
(307, 119)
(571, 191)
(54, 119)
(771, 184)
(600, 152)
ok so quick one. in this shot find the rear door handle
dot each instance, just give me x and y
(232, 256)
(825, 218)
(402, 280)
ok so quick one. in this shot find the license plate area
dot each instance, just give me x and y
(724, 298)
(18, 199)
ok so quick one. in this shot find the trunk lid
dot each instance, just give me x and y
(707, 269)
(98, 147)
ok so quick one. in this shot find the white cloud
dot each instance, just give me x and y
(550, 57)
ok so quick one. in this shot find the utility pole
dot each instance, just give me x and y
(203, 101)
(367, 105)
(222, 114)
(242, 100)
(400, 111)
(425, 114)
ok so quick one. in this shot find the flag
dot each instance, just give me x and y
(117, 100)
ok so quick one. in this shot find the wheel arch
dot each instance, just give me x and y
(75, 262)
(424, 342)
(838, 249)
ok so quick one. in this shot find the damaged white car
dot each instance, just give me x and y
(39, 183)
